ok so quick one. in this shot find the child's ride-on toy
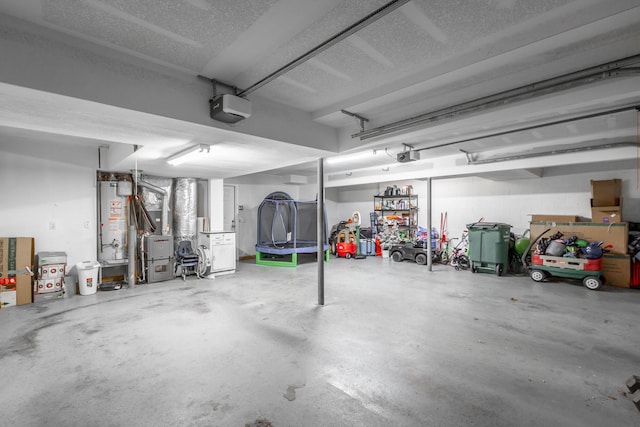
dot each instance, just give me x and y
(410, 251)
(542, 267)
(588, 270)
(346, 249)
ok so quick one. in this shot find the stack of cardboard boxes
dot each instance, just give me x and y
(606, 201)
(605, 226)
(606, 208)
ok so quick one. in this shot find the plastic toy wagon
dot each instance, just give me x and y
(588, 270)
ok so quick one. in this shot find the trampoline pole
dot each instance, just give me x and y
(320, 231)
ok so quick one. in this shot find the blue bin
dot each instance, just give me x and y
(367, 247)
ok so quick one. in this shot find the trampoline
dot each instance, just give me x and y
(286, 228)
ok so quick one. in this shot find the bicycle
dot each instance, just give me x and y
(456, 256)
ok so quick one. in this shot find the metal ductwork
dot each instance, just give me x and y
(185, 212)
(150, 202)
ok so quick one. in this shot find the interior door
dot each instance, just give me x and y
(229, 214)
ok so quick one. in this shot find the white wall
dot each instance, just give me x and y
(561, 191)
(558, 192)
(58, 186)
(55, 190)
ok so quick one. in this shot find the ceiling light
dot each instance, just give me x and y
(363, 155)
(188, 154)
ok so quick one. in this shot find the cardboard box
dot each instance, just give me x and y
(16, 254)
(606, 193)
(554, 218)
(616, 234)
(617, 270)
(607, 214)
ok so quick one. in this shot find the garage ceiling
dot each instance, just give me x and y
(422, 56)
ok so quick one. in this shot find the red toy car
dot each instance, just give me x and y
(346, 249)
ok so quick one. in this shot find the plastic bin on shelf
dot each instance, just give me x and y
(88, 277)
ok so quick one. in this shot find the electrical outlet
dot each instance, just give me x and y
(85, 225)
(52, 225)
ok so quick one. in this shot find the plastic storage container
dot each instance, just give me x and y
(88, 277)
(489, 246)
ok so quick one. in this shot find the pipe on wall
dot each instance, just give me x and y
(131, 269)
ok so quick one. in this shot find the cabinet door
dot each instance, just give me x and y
(223, 257)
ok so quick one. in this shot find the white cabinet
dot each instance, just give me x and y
(219, 249)
(223, 252)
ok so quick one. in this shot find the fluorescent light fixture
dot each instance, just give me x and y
(188, 154)
(351, 157)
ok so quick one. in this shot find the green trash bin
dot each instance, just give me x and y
(489, 247)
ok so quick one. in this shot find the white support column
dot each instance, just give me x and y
(320, 231)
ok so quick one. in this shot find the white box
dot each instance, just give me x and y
(51, 271)
(45, 286)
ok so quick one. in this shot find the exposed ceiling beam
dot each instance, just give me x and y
(367, 20)
(573, 118)
(590, 75)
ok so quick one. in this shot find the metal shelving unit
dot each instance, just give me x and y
(403, 208)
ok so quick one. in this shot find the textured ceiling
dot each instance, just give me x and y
(423, 56)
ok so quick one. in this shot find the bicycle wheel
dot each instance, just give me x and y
(444, 258)
(463, 262)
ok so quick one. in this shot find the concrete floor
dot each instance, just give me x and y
(394, 345)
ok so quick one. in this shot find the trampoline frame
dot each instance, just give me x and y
(291, 248)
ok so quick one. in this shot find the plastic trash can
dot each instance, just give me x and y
(88, 277)
(489, 246)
